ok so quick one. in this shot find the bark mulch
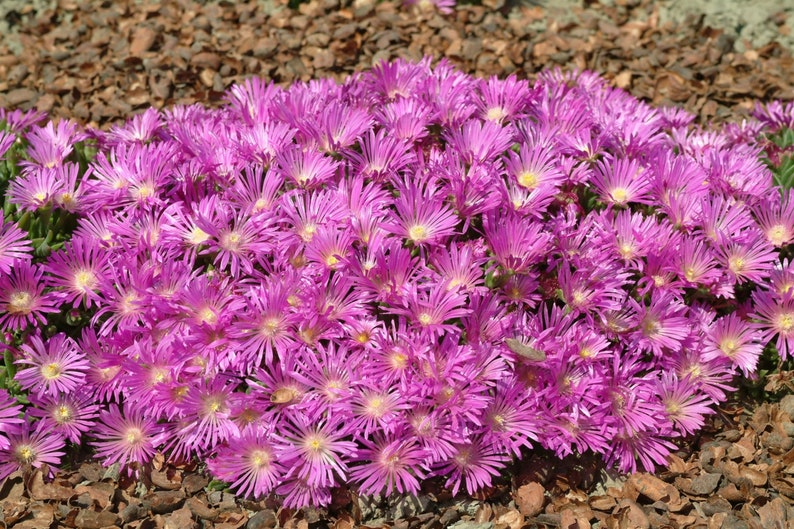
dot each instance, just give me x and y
(738, 473)
(100, 62)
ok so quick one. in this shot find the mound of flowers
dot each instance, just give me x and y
(415, 273)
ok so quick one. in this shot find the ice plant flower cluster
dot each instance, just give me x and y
(410, 274)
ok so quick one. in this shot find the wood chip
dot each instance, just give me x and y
(142, 40)
(530, 499)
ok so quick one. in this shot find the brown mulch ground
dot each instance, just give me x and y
(100, 62)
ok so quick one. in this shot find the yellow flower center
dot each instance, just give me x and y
(425, 318)
(626, 250)
(260, 459)
(63, 414)
(417, 233)
(398, 360)
(25, 454)
(51, 371)
(729, 346)
(84, 280)
(198, 236)
(778, 234)
(495, 114)
(619, 195)
(736, 264)
(213, 405)
(145, 191)
(308, 231)
(578, 298)
(20, 303)
(134, 436)
(785, 322)
(208, 316)
(231, 241)
(270, 327)
(528, 179)
(650, 327)
(314, 443)
(376, 406)
(260, 205)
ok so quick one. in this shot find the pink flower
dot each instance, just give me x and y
(431, 310)
(473, 464)
(55, 367)
(75, 273)
(23, 301)
(619, 181)
(684, 405)
(31, 447)
(250, 463)
(125, 435)
(13, 245)
(390, 464)
(10, 421)
(70, 415)
(421, 217)
(776, 219)
(775, 316)
(315, 448)
(306, 168)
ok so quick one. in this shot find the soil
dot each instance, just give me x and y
(99, 62)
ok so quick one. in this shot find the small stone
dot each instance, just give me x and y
(345, 31)
(323, 59)
(530, 499)
(39, 515)
(88, 519)
(449, 517)
(83, 500)
(134, 511)
(194, 483)
(471, 48)
(180, 519)
(653, 488)
(201, 509)
(161, 480)
(207, 77)
(714, 505)
(142, 39)
(265, 519)
(602, 503)
(19, 96)
(467, 524)
(165, 501)
(407, 506)
(265, 47)
(630, 513)
(773, 514)
(206, 60)
(215, 497)
(705, 483)
(787, 406)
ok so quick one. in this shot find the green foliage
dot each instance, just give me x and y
(780, 158)
(784, 173)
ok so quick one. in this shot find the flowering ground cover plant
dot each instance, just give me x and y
(414, 273)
